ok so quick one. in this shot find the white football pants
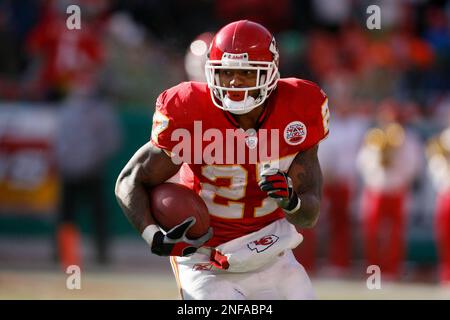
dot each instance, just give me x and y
(283, 279)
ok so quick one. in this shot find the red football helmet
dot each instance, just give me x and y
(242, 45)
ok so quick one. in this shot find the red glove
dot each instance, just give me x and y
(278, 186)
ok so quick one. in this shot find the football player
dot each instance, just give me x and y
(254, 202)
(438, 156)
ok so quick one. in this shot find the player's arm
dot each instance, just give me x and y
(149, 167)
(299, 191)
(307, 183)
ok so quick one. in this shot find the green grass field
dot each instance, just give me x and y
(161, 285)
(27, 271)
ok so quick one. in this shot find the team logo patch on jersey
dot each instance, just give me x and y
(263, 243)
(295, 133)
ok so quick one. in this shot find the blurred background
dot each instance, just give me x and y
(76, 104)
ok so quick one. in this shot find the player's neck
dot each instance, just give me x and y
(250, 119)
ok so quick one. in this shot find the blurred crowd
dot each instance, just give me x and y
(120, 43)
(396, 77)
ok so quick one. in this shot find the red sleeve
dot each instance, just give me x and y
(322, 117)
(171, 119)
(318, 114)
(163, 123)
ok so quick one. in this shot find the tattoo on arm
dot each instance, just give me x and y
(306, 176)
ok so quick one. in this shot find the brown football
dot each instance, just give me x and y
(172, 203)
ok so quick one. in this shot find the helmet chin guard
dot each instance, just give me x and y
(239, 107)
(242, 45)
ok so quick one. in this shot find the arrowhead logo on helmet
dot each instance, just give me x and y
(242, 45)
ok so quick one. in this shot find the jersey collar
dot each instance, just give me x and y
(261, 119)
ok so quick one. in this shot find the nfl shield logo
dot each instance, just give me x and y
(295, 133)
(251, 139)
(251, 142)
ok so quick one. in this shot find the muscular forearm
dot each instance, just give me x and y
(307, 179)
(148, 167)
(132, 197)
(308, 213)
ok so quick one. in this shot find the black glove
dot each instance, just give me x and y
(278, 186)
(175, 242)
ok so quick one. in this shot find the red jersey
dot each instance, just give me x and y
(222, 163)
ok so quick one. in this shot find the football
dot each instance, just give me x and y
(172, 203)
